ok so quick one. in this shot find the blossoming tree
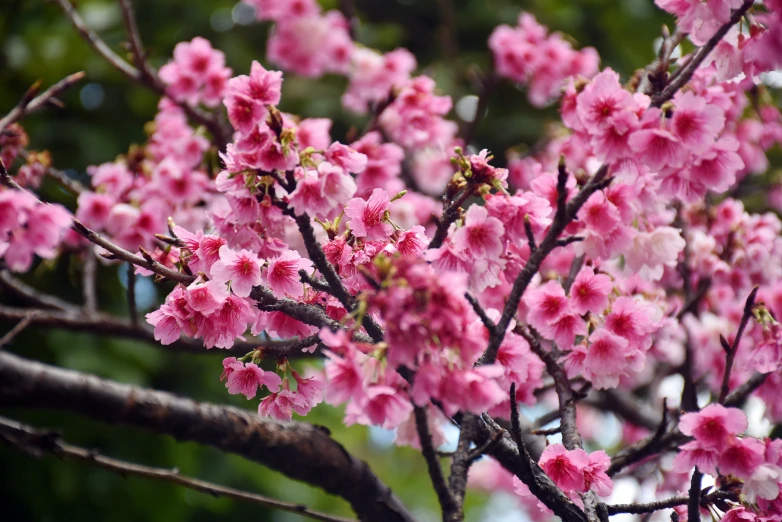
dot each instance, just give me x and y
(435, 290)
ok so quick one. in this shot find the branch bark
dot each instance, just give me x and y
(301, 451)
(39, 442)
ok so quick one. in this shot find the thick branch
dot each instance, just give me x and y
(39, 442)
(298, 450)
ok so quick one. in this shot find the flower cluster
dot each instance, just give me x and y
(28, 228)
(197, 74)
(304, 40)
(528, 55)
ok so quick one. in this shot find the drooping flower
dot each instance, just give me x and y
(242, 269)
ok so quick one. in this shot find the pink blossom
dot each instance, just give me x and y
(599, 214)
(658, 148)
(228, 323)
(590, 291)
(742, 457)
(346, 157)
(695, 122)
(94, 209)
(474, 390)
(595, 476)
(652, 251)
(480, 237)
(368, 217)
(565, 468)
(166, 323)
(280, 405)
(547, 303)
(242, 269)
(283, 9)
(372, 76)
(693, 454)
(310, 390)
(261, 86)
(386, 407)
(714, 425)
(282, 274)
(311, 45)
(606, 359)
(197, 73)
(207, 297)
(601, 101)
(247, 380)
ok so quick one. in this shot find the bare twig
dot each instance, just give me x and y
(38, 442)
(88, 281)
(32, 296)
(31, 103)
(749, 303)
(651, 507)
(460, 465)
(132, 309)
(451, 213)
(16, 330)
(476, 306)
(694, 504)
(447, 502)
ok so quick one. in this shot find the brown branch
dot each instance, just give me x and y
(565, 213)
(451, 213)
(460, 466)
(685, 74)
(301, 451)
(31, 103)
(651, 507)
(748, 304)
(447, 501)
(37, 442)
(131, 294)
(32, 296)
(517, 460)
(88, 279)
(16, 330)
(694, 503)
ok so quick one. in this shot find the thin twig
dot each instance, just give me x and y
(132, 309)
(694, 504)
(88, 279)
(476, 306)
(16, 330)
(31, 103)
(748, 304)
(38, 442)
(460, 465)
(447, 502)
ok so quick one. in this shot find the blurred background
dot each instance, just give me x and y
(106, 114)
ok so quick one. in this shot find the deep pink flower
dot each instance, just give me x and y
(590, 291)
(546, 303)
(595, 476)
(714, 425)
(167, 325)
(606, 359)
(742, 457)
(565, 468)
(367, 218)
(658, 148)
(282, 274)
(247, 380)
(601, 100)
(696, 122)
(599, 214)
(242, 269)
(694, 454)
(310, 390)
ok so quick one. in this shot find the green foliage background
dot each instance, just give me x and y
(37, 42)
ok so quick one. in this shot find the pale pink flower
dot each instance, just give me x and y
(658, 148)
(606, 359)
(693, 454)
(595, 476)
(599, 214)
(601, 100)
(207, 297)
(347, 158)
(242, 269)
(167, 325)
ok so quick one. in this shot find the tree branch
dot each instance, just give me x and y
(39, 442)
(685, 74)
(31, 103)
(301, 451)
(447, 502)
(748, 304)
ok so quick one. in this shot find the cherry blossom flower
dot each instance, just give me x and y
(242, 269)
(367, 217)
(247, 380)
